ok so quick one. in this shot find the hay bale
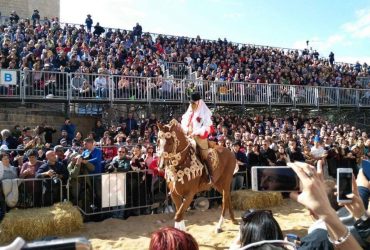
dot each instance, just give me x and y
(247, 199)
(30, 224)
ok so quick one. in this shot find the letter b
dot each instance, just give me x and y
(7, 77)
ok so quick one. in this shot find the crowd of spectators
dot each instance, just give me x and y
(130, 145)
(49, 45)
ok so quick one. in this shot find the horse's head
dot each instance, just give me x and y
(170, 141)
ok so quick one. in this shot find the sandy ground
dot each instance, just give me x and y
(134, 233)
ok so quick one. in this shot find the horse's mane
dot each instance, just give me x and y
(175, 124)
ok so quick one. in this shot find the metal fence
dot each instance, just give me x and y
(47, 86)
(364, 82)
(34, 192)
(176, 69)
(133, 192)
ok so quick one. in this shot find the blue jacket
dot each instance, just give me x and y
(71, 130)
(96, 157)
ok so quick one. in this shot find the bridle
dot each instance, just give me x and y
(177, 158)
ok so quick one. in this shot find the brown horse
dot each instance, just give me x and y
(186, 175)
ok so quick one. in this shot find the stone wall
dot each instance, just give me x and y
(24, 8)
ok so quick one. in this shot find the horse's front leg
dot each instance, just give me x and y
(177, 200)
(179, 217)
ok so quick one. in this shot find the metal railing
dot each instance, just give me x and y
(35, 192)
(51, 86)
(139, 191)
(364, 82)
(176, 69)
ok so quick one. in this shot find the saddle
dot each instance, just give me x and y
(213, 158)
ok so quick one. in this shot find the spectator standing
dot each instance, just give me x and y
(89, 23)
(56, 171)
(98, 30)
(7, 171)
(331, 58)
(318, 152)
(30, 167)
(99, 130)
(137, 31)
(35, 17)
(14, 18)
(109, 150)
(76, 168)
(92, 155)
(32, 189)
(268, 154)
(49, 131)
(131, 124)
(70, 128)
(59, 152)
(294, 152)
(8, 140)
(121, 162)
(241, 161)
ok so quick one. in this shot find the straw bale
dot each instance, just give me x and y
(34, 223)
(247, 199)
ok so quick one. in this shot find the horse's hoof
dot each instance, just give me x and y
(218, 230)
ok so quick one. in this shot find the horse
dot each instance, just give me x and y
(186, 175)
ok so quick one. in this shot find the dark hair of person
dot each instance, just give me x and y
(2, 155)
(257, 226)
(170, 238)
(32, 152)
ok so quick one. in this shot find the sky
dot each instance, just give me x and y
(339, 26)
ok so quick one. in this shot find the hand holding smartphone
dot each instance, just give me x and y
(344, 184)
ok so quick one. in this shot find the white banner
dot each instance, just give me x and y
(113, 189)
(8, 77)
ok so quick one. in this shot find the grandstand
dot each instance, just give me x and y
(51, 61)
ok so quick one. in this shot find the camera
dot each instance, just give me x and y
(112, 167)
(55, 179)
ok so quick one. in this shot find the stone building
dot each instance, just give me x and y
(24, 8)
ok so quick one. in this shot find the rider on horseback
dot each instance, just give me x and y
(197, 123)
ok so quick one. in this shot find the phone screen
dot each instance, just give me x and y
(281, 179)
(345, 185)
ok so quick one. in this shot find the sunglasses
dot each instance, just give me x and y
(250, 212)
(121, 152)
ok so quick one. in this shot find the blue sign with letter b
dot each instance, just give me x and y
(7, 77)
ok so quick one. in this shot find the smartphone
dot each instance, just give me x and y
(274, 179)
(344, 184)
(292, 238)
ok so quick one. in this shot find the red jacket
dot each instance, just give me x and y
(154, 167)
